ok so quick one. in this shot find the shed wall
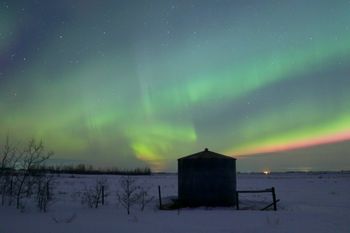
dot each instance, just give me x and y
(207, 182)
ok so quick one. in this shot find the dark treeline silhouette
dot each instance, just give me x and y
(89, 169)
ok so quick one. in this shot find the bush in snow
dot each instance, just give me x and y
(8, 160)
(129, 194)
(94, 195)
(31, 159)
(44, 194)
(144, 197)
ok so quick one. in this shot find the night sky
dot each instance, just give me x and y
(142, 83)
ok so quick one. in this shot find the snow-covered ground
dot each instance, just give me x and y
(309, 203)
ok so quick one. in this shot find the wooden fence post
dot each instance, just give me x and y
(160, 198)
(103, 195)
(274, 198)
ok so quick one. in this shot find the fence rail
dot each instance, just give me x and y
(269, 190)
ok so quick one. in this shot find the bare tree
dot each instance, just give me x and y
(95, 195)
(8, 160)
(144, 197)
(31, 158)
(128, 194)
(44, 195)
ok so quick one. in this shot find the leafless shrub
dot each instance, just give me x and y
(128, 195)
(44, 194)
(31, 158)
(96, 194)
(8, 160)
(144, 197)
(22, 174)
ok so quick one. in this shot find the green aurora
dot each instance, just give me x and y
(141, 83)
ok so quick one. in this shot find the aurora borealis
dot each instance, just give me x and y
(135, 83)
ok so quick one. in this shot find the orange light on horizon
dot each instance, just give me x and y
(299, 144)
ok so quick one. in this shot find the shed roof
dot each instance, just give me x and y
(206, 154)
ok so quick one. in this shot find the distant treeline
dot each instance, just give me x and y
(89, 169)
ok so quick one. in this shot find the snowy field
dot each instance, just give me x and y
(308, 203)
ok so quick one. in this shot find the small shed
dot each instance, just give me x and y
(207, 178)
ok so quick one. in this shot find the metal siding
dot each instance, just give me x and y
(207, 182)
